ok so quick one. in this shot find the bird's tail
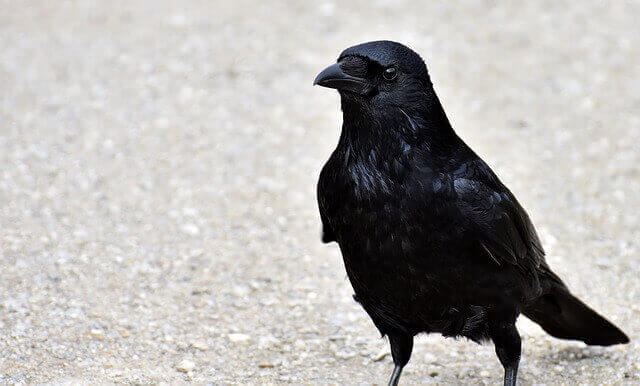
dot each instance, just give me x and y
(564, 316)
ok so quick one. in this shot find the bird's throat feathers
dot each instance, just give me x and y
(367, 127)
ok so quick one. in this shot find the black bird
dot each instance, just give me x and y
(432, 241)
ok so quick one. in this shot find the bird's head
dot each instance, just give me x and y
(378, 75)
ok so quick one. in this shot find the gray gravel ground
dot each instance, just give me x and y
(157, 190)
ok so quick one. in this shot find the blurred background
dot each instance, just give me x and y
(158, 219)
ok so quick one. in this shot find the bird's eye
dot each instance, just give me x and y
(390, 73)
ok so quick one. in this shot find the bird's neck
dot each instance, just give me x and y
(424, 125)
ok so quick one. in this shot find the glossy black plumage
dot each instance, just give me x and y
(432, 241)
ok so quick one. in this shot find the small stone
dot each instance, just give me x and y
(433, 374)
(485, 374)
(190, 229)
(381, 355)
(268, 341)
(97, 334)
(199, 346)
(345, 354)
(186, 366)
(125, 333)
(196, 252)
(236, 338)
(266, 365)
(200, 291)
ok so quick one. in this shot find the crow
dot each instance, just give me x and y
(431, 240)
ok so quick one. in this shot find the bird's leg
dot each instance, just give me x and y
(507, 341)
(401, 346)
(395, 376)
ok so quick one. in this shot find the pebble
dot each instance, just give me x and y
(97, 334)
(199, 345)
(237, 337)
(345, 354)
(268, 341)
(200, 291)
(191, 229)
(380, 355)
(185, 366)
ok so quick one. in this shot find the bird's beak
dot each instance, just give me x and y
(334, 77)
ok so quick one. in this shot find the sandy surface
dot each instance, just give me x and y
(157, 191)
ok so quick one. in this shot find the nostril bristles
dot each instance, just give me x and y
(354, 66)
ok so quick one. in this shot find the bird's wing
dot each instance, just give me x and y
(497, 221)
(328, 235)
